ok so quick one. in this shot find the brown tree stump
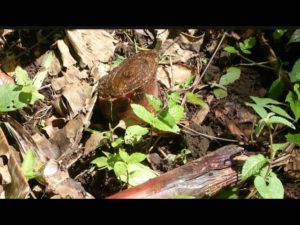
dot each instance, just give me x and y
(128, 83)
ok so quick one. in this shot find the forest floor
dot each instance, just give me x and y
(78, 147)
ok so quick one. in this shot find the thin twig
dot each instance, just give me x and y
(209, 62)
(154, 144)
(135, 44)
(197, 80)
(252, 64)
(163, 153)
(251, 61)
(206, 135)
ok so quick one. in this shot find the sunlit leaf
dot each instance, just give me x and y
(134, 134)
(231, 49)
(155, 102)
(252, 166)
(232, 74)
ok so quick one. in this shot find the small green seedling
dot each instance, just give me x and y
(232, 74)
(134, 134)
(266, 182)
(270, 112)
(25, 91)
(182, 156)
(244, 46)
(127, 168)
(165, 119)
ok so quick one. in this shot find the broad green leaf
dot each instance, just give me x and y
(252, 166)
(30, 94)
(258, 109)
(173, 99)
(22, 76)
(249, 43)
(136, 157)
(28, 88)
(264, 101)
(281, 120)
(160, 125)
(142, 113)
(117, 142)
(194, 99)
(276, 90)
(293, 138)
(232, 74)
(134, 134)
(291, 98)
(107, 154)
(36, 96)
(29, 164)
(295, 73)
(166, 117)
(13, 97)
(155, 102)
(177, 112)
(231, 49)
(297, 90)
(112, 160)
(279, 111)
(124, 155)
(273, 189)
(100, 162)
(261, 187)
(260, 126)
(245, 51)
(220, 93)
(120, 169)
(263, 172)
(243, 48)
(139, 174)
(39, 79)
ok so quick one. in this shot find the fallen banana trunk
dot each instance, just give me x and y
(202, 177)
